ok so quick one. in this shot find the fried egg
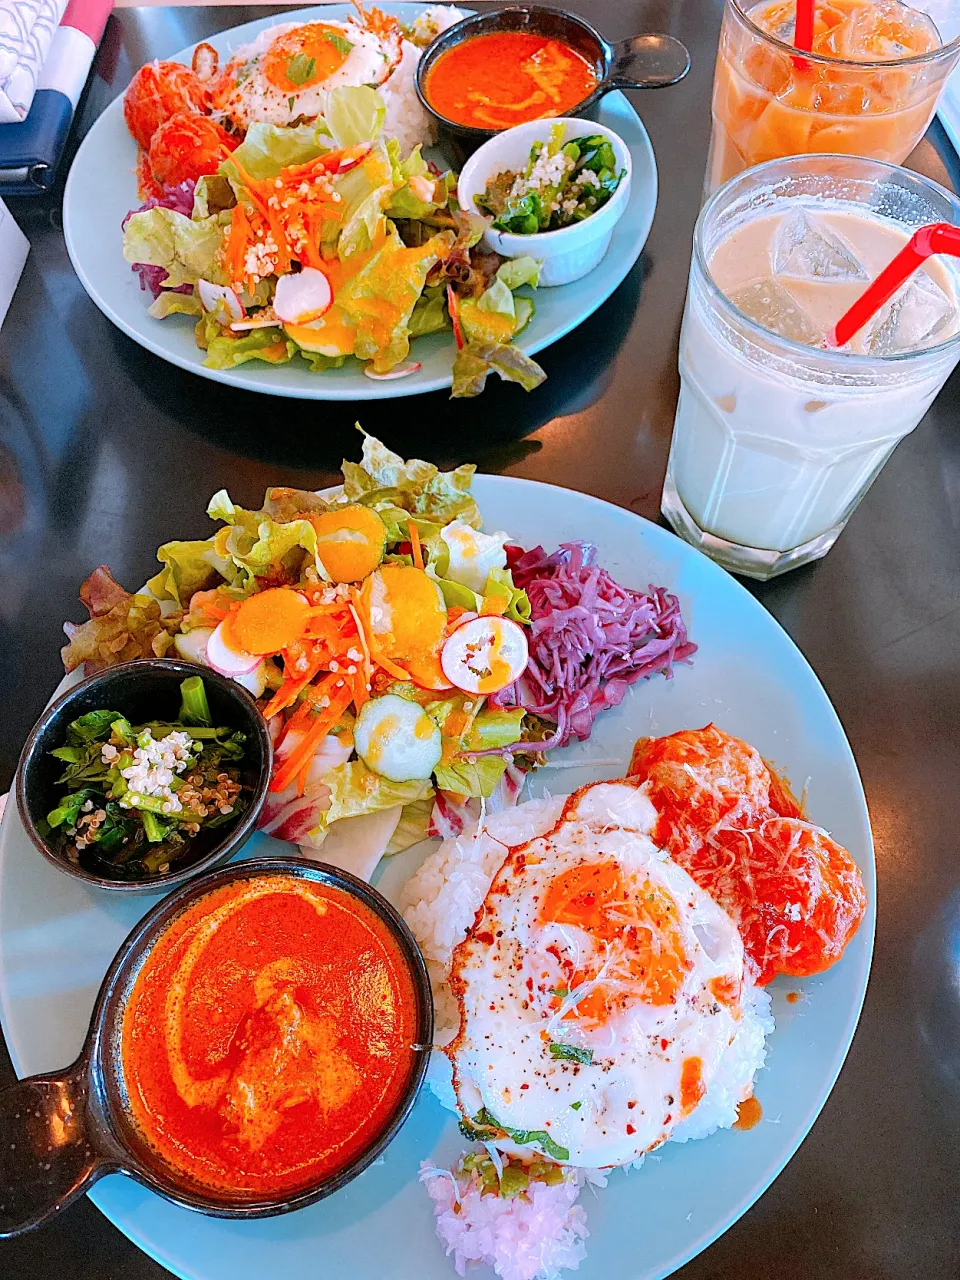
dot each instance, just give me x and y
(602, 995)
(288, 70)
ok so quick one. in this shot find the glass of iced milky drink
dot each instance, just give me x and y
(869, 86)
(777, 437)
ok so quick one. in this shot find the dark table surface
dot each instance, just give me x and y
(106, 452)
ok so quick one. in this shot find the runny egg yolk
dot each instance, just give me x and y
(305, 56)
(641, 921)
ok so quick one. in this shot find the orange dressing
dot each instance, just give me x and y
(749, 1113)
(793, 997)
(508, 77)
(267, 1039)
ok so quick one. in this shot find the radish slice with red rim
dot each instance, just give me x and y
(227, 658)
(485, 655)
(400, 371)
(303, 296)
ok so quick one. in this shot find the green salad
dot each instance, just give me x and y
(563, 183)
(135, 796)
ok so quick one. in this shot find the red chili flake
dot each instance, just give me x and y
(485, 938)
(664, 1044)
(631, 1129)
(524, 1086)
(631, 1104)
(530, 985)
(667, 1118)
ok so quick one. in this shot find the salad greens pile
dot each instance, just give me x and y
(401, 258)
(562, 183)
(135, 796)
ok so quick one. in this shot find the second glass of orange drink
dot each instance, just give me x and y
(868, 85)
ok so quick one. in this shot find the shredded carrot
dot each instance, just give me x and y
(304, 751)
(302, 778)
(415, 546)
(309, 704)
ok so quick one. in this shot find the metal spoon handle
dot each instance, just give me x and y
(648, 62)
(47, 1155)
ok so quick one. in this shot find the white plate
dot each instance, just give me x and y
(57, 937)
(101, 189)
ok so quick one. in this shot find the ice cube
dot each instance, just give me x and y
(768, 302)
(807, 250)
(918, 315)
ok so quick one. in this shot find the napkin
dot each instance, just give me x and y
(27, 28)
(31, 148)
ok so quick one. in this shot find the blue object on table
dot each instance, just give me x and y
(30, 150)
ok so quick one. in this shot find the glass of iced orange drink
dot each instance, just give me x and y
(868, 86)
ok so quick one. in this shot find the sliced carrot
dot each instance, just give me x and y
(415, 546)
(271, 620)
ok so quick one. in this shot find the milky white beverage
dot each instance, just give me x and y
(776, 438)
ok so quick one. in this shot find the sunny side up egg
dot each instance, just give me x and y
(602, 994)
(288, 70)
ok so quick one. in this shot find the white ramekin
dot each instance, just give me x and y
(572, 251)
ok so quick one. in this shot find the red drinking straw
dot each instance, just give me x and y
(803, 25)
(938, 237)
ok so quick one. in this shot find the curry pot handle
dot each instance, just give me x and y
(647, 62)
(48, 1155)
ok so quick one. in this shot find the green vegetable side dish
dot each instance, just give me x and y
(562, 184)
(135, 796)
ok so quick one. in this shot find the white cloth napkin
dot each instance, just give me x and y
(27, 28)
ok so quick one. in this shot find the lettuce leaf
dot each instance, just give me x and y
(355, 789)
(414, 825)
(319, 363)
(185, 248)
(271, 345)
(170, 303)
(477, 360)
(373, 176)
(518, 271)
(429, 314)
(354, 114)
(379, 300)
(260, 546)
(122, 626)
(383, 479)
(493, 727)
(188, 567)
(212, 194)
(268, 148)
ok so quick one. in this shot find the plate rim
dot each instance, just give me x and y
(714, 573)
(644, 195)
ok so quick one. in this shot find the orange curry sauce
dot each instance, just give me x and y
(506, 78)
(267, 1039)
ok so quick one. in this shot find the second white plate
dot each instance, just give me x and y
(101, 189)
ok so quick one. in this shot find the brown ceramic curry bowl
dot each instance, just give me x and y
(60, 1133)
(649, 61)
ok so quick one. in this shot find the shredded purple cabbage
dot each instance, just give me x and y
(590, 639)
(180, 199)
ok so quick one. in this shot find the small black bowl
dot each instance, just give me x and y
(61, 1132)
(648, 61)
(147, 689)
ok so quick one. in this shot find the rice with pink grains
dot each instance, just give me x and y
(532, 1236)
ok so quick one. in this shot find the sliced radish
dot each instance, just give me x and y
(226, 657)
(215, 296)
(399, 371)
(423, 188)
(350, 162)
(265, 319)
(192, 645)
(485, 655)
(302, 297)
(454, 308)
(256, 680)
